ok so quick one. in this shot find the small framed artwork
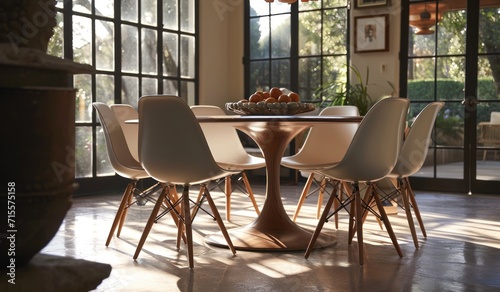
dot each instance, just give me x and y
(370, 3)
(371, 33)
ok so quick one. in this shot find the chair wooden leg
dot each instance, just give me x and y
(321, 192)
(123, 203)
(411, 196)
(387, 224)
(404, 195)
(217, 217)
(228, 191)
(303, 196)
(359, 224)
(321, 222)
(125, 211)
(250, 192)
(188, 225)
(151, 221)
(351, 218)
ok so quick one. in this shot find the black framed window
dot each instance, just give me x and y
(137, 47)
(298, 46)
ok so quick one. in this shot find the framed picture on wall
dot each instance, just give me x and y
(371, 33)
(370, 3)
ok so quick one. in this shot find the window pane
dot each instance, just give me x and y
(187, 15)
(280, 73)
(310, 78)
(149, 86)
(130, 90)
(259, 8)
(450, 163)
(420, 68)
(451, 33)
(335, 31)
(170, 19)
(259, 76)
(170, 54)
(129, 10)
(450, 126)
(304, 6)
(104, 41)
(280, 36)
(309, 33)
(130, 48)
(82, 40)
(83, 110)
(83, 152)
(334, 69)
(187, 55)
(259, 37)
(105, 8)
(421, 45)
(80, 8)
(105, 85)
(451, 78)
(188, 92)
(170, 87)
(279, 7)
(335, 3)
(487, 88)
(489, 20)
(148, 12)
(148, 51)
(56, 43)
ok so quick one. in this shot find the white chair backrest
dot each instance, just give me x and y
(119, 154)
(375, 146)
(416, 144)
(172, 147)
(222, 139)
(495, 117)
(327, 143)
(124, 112)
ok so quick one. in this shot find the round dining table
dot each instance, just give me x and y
(272, 230)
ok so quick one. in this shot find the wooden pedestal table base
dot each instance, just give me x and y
(273, 230)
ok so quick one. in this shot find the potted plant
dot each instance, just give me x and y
(346, 93)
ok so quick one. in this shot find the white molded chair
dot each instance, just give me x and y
(173, 150)
(325, 144)
(411, 158)
(124, 112)
(489, 133)
(228, 152)
(123, 163)
(371, 156)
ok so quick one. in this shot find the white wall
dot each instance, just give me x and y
(221, 52)
(378, 79)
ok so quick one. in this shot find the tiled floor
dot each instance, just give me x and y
(461, 252)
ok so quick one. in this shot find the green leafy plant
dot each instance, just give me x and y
(346, 93)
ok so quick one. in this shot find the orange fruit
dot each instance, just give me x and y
(294, 96)
(270, 99)
(266, 94)
(284, 98)
(260, 93)
(275, 92)
(255, 98)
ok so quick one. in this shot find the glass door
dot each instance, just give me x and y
(453, 55)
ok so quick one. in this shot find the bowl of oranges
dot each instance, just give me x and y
(276, 101)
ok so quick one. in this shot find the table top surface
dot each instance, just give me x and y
(273, 118)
